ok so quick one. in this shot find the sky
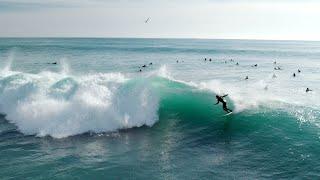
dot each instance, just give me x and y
(209, 19)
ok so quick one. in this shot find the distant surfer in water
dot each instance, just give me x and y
(224, 103)
(307, 90)
(274, 76)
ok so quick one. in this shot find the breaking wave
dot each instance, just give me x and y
(61, 104)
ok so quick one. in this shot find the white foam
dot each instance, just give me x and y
(61, 105)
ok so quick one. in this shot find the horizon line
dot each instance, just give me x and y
(130, 37)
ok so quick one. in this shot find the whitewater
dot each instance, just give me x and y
(96, 97)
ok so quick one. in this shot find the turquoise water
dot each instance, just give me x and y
(93, 115)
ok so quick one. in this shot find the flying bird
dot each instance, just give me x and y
(146, 21)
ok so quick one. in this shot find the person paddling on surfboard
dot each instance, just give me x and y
(224, 103)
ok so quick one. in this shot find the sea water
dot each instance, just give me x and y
(79, 108)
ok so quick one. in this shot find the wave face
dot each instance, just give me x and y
(60, 105)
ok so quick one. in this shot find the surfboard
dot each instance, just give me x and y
(228, 114)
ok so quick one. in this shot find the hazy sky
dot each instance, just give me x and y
(236, 19)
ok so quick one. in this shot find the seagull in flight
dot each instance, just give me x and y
(146, 21)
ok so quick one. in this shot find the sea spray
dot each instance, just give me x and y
(9, 61)
(65, 69)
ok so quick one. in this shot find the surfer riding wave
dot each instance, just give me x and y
(224, 103)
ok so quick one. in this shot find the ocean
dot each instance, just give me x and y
(79, 108)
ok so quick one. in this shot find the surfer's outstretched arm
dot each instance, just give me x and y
(225, 95)
(216, 103)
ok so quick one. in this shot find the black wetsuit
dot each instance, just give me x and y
(224, 104)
